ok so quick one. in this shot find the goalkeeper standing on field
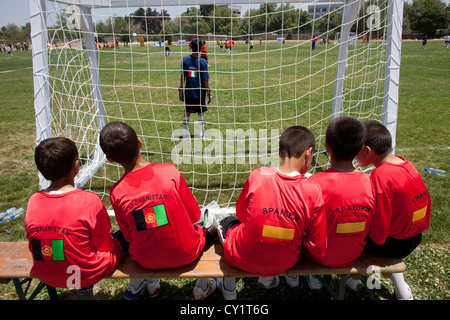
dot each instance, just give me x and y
(194, 86)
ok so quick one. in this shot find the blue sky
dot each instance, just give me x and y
(18, 12)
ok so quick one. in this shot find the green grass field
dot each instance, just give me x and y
(422, 137)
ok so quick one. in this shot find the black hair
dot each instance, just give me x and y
(345, 136)
(378, 137)
(119, 142)
(55, 157)
(295, 140)
(195, 47)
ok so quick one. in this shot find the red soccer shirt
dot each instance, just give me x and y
(403, 204)
(350, 205)
(155, 211)
(203, 52)
(73, 230)
(275, 210)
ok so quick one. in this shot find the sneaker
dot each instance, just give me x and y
(353, 284)
(153, 288)
(209, 223)
(200, 294)
(313, 283)
(269, 282)
(292, 281)
(227, 295)
(88, 288)
(131, 292)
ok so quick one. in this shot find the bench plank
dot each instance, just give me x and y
(16, 262)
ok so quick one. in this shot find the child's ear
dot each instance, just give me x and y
(76, 166)
(280, 154)
(309, 152)
(139, 143)
(327, 148)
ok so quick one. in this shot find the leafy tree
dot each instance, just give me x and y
(427, 16)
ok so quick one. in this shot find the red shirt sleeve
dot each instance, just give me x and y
(315, 239)
(101, 234)
(188, 199)
(242, 202)
(124, 227)
(382, 218)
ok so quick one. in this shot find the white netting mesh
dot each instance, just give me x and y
(272, 79)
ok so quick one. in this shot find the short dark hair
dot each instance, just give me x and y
(195, 47)
(119, 142)
(378, 137)
(55, 157)
(345, 136)
(295, 140)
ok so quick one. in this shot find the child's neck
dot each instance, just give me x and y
(343, 166)
(139, 163)
(290, 165)
(62, 185)
(391, 159)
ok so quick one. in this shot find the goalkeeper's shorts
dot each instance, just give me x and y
(195, 105)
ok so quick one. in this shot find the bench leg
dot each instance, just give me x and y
(22, 294)
(342, 285)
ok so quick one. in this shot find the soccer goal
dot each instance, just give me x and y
(97, 61)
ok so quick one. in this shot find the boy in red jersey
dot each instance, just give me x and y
(403, 203)
(155, 211)
(348, 195)
(274, 210)
(68, 229)
(204, 51)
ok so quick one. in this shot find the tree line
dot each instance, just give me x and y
(427, 17)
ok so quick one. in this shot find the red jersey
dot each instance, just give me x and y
(203, 51)
(275, 210)
(73, 230)
(350, 205)
(403, 203)
(156, 210)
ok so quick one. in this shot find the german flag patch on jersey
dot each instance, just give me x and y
(150, 217)
(277, 232)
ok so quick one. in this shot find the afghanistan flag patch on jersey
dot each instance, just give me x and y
(193, 74)
(48, 249)
(150, 217)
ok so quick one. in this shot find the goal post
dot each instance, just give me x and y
(97, 61)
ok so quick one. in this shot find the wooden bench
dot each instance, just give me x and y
(16, 262)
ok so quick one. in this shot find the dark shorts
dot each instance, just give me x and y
(394, 248)
(195, 105)
(227, 223)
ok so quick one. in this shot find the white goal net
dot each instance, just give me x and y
(271, 65)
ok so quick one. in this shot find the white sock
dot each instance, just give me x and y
(135, 283)
(229, 284)
(201, 124)
(402, 289)
(185, 125)
(202, 283)
(151, 280)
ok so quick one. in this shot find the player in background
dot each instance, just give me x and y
(167, 48)
(204, 51)
(194, 86)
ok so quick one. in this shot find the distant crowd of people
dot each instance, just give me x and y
(9, 47)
